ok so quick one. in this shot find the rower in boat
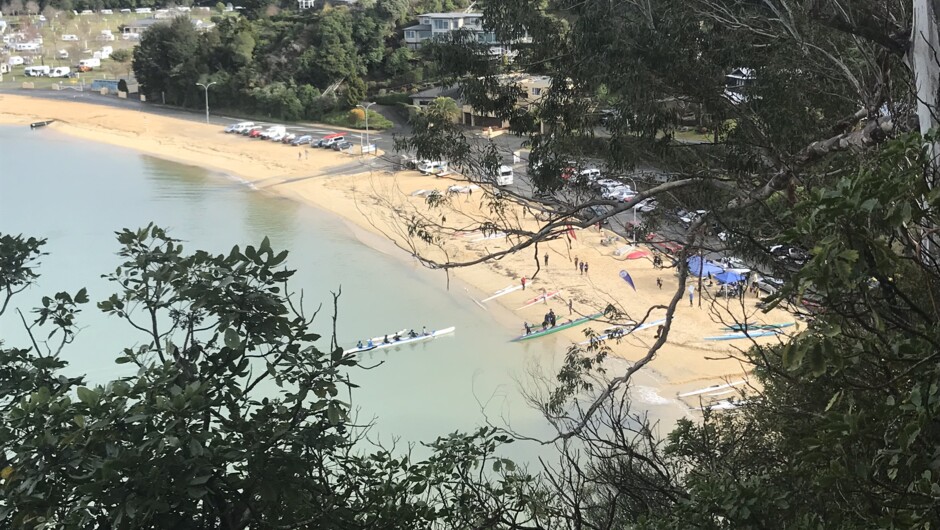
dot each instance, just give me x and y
(359, 344)
(370, 343)
(397, 337)
(412, 334)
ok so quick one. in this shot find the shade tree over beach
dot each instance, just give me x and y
(830, 147)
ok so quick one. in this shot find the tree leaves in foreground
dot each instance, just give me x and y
(230, 416)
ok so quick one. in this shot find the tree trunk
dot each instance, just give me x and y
(923, 58)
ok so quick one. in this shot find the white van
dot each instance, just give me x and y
(432, 167)
(36, 71)
(504, 176)
(61, 71)
(274, 130)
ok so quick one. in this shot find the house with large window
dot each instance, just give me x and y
(436, 25)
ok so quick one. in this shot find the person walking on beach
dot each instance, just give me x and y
(659, 283)
(576, 263)
(570, 307)
(585, 267)
(546, 259)
(523, 283)
(691, 294)
(528, 328)
(298, 155)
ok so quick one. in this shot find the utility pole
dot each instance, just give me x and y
(206, 87)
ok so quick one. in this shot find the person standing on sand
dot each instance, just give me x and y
(576, 263)
(523, 283)
(546, 259)
(570, 307)
(582, 268)
(528, 328)
(585, 267)
(691, 294)
(298, 155)
(659, 283)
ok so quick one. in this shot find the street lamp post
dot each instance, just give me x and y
(635, 191)
(365, 110)
(206, 88)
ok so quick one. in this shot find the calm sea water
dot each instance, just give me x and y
(77, 194)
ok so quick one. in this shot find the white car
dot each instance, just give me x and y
(620, 193)
(608, 183)
(239, 127)
(277, 136)
(646, 205)
(691, 217)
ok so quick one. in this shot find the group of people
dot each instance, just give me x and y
(395, 338)
(550, 320)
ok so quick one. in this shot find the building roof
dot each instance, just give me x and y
(419, 27)
(451, 15)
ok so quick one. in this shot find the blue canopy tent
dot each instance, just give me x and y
(728, 277)
(699, 267)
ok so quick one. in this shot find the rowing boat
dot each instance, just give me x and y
(382, 337)
(765, 327)
(540, 298)
(558, 328)
(627, 331)
(406, 340)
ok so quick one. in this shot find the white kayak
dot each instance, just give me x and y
(404, 340)
(503, 292)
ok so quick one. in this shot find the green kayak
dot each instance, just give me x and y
(559, 327)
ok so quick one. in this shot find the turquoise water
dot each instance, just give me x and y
(77, 194)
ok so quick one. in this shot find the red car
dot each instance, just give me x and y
(255, 133)
(666, 245)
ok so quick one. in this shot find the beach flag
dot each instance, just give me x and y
(571, 232)
(626, 277)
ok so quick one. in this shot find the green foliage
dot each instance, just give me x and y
(377, 122)
(232, 417)
(444, 109)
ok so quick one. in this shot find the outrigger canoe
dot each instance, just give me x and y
(502, 292)
(566, 325)
(625, 330)
(540, 298)
(404, 340)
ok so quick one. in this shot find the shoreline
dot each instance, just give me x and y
(370, 204)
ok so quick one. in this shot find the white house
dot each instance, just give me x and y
(736, 84)
(435, 25)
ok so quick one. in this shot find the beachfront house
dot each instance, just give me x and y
(437, 25)
(737, 82)
(532, 89)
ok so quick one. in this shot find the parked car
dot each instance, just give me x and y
(665, 245)
(340, 146)
(607, 183)
(620, 193)
(239, 127)
(688, 218)
(794, 254)
(432, 167)
(288, 138)
(274, 130)
(769, 285)
(330, 139)
(592, 212)
(255, 132)
(276, 136)
(300, 140)
(646, 205)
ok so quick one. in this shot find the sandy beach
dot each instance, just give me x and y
(380, 202)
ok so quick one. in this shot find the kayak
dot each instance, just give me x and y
(539, 298)
(502, 292)
(560, 327)
(390, 335)
(404, 340)
(743, 327)
(744, 335)
(625, 329)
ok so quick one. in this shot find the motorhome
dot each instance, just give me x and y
(61, 71)
(88, 64)
(504, 176)
(26, 46)
(432, 167)
(36, 71)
